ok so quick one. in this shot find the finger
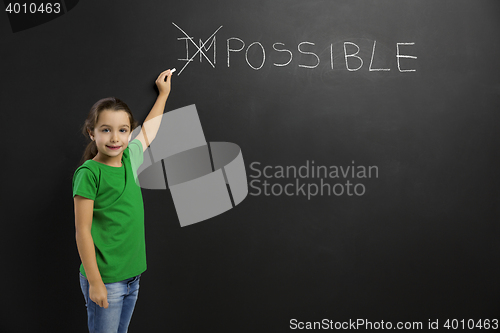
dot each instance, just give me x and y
(166, 75)
(99, 302)
(162, 76)
(105, 304)
(165, 71)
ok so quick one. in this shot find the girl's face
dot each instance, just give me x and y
(112, 134)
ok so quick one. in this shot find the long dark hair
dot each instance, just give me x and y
(109, 103)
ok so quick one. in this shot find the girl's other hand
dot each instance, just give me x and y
(99, 294)
(162, 84)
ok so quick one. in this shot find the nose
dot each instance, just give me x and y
(114, 137)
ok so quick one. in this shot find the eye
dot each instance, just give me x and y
(104, 130)
(124, 130)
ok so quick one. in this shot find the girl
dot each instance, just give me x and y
(109, 212)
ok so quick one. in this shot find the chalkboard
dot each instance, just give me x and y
(369, 135)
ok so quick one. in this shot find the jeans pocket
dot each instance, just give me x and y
(133, 285)
(134, 279)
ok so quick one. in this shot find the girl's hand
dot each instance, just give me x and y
(162, 84)
(99, 294)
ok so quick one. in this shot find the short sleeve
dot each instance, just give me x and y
(85, 183)
(136, 154)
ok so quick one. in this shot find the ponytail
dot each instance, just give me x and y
(90, 152)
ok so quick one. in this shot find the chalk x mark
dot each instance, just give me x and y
(198, 47)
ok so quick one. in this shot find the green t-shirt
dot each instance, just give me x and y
(118, 218)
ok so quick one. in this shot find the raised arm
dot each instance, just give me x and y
(83, 222)
(153, 120)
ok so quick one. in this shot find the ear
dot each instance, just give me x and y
(91, 136)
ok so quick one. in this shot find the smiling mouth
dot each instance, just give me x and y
(113, 147)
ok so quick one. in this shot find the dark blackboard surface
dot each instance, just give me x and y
(420, 243)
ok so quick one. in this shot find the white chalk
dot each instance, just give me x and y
(172, 70)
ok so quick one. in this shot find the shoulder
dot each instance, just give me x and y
(87, 166)
(134, 153)
(87, 169)
(134, 146)
(86, 180)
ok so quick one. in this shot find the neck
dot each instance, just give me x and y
(115, 161)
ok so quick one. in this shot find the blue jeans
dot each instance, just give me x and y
(121, 299)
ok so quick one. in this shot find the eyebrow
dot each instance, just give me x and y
(112, 126)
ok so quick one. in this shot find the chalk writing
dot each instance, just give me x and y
(404, 56)
(256, 54)
(199, 48)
